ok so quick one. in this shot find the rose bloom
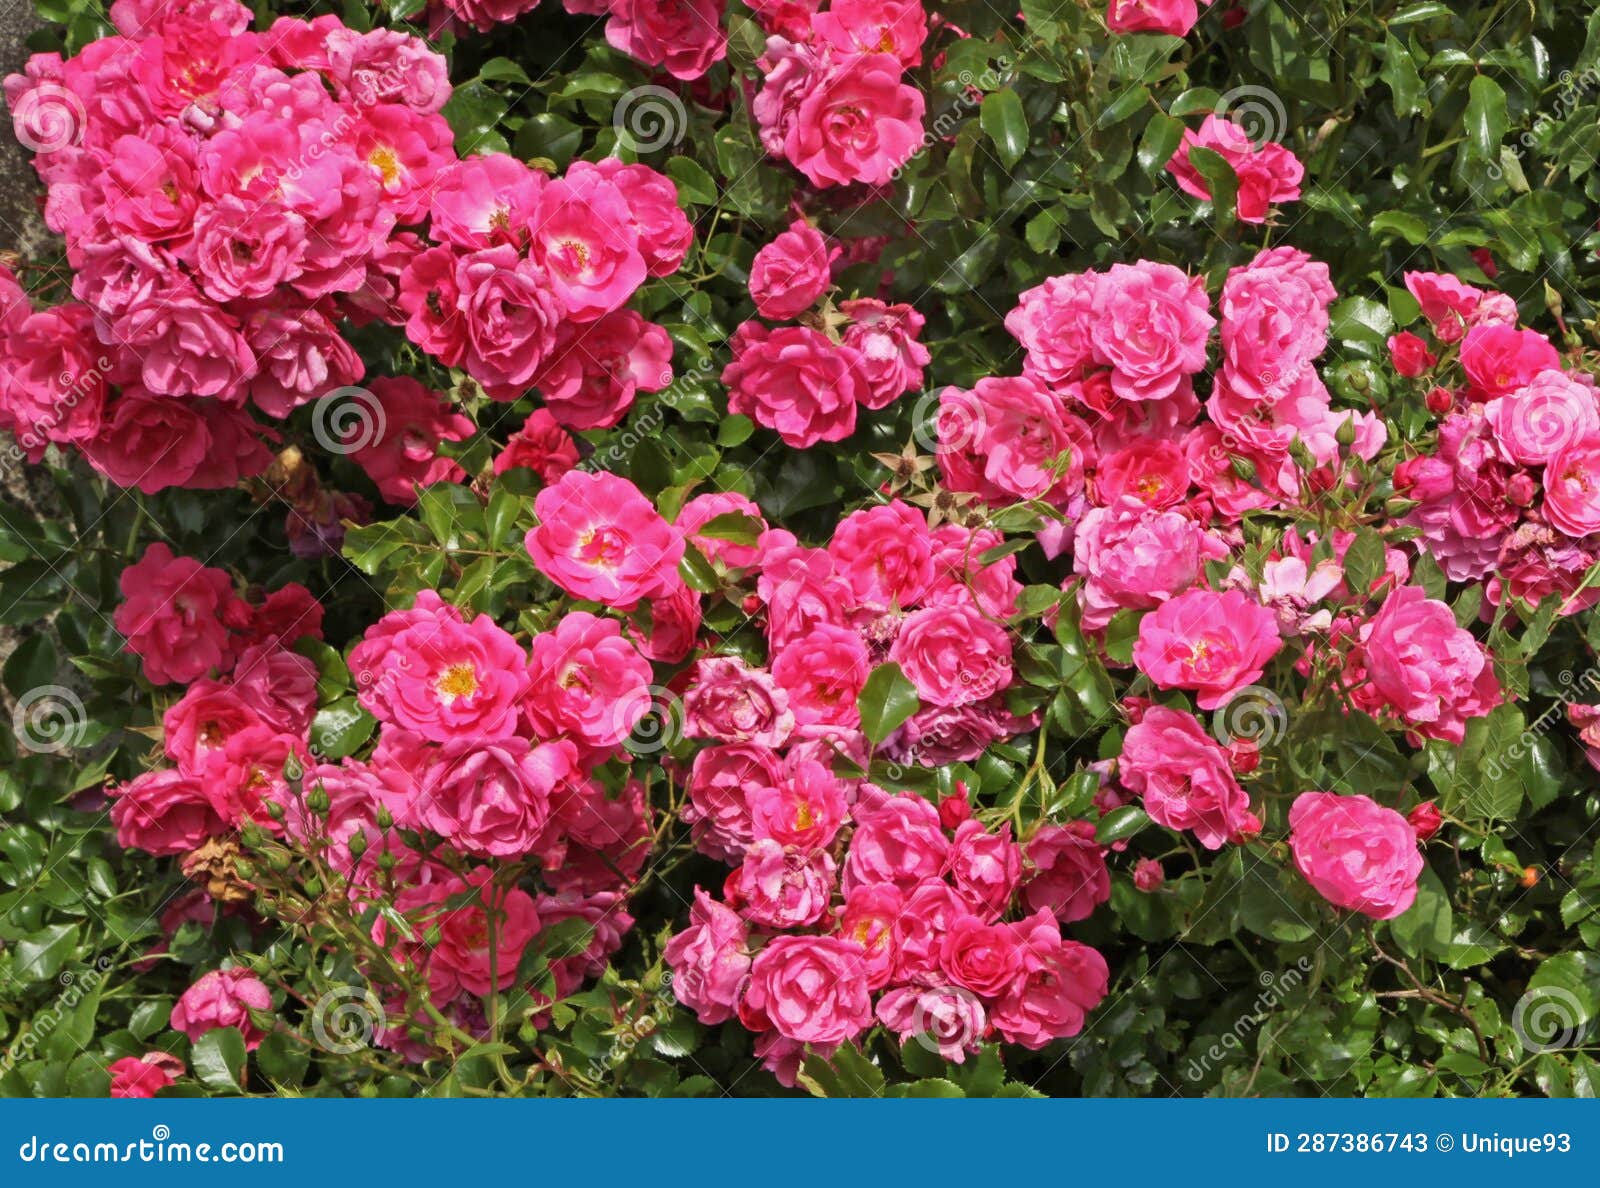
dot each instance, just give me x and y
(202, 720)
(810, 989)
(856, 122)
(431, 671)
(684, 38)
(1008, 440)
(720, 784)
(951, 1016)
(1061, 982)
(165, 812)
(953, 654)
(702, 509)
(794, 381)
(875, 26)
(587, 681)
(900, 841)
(1134, 558)
(1212, 643)
(1572, 488)
(600, 539)
(823, 673)
(585, 237)
(885, 336)
(1066, 871)
(1429, 671)
(143, 1076)
(460, 961)
(393, 432)
(596, 369)
(172, 615)
(1268, 173)
(1185, 778)
(1358, 854)
(1173, 17)
(222, 998)
(1446, 301)
(871, 918)
(492, 798)
(885, 552)
(1154, 328)
(791, 272)
(1409, 355)
(1501, 359)
(710, 960)
(1538, 421)
(731, 702)
(984, 958)
(984, 867)
(958, 565)
(542, 446)
(803, 810)
(781, 887)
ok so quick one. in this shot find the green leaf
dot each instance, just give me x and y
(1005, 124)
(847, 1073)
(1162, 136)
(1400, 73)
(38, 956)
(694, 184)
(1485, 117)
(217, 1060)
(1120, 824)
(886, 700)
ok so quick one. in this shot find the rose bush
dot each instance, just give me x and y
(850, 548)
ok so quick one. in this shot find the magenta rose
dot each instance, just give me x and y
(794, 381)
(1185, 777)
(1215, 644)
(1067, 871)
(710, 960)
(809, 989)
(1356, 853)
(791, 272)
(223, 998)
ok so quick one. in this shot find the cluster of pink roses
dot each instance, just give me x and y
(834, 103)
(1267, 173)
(230, 198)
(852, 906)
(806, 382)
(1512, 491)
(227, 198)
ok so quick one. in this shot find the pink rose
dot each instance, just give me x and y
(223, 998)
(1009, 440)
(685, 36)
(1212, 643)
(1267, 173)
(720, 785)
(542, 446)
(598, 538)
(585, 680)
(1061, 982)
(710, 960)
(585, 237)
(165, 812)
(393, 432)
(984, 958)
(1538, 421)
(1134, 558)
(143, 1076)
(984, 867)
(791, 272)
(511, 319)
(803, 810)
(702, 509)
(731, 702)
(871, 918)
(431, 671)
(1067, 871)
(597, 369)
(875, 26)
(1356, 853)
(173, 616)
(823, 673)
(885, 552)
(794, 381)
(951, 1016)
(1173, 17)
(953, 654)
(856, 122)
(1154, 327)
(810, 989)
(492, 798)
(900, 841)
(782, 887)
(1572, 488)
(1185, 778)
(1427, 670)
(1501, 359)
